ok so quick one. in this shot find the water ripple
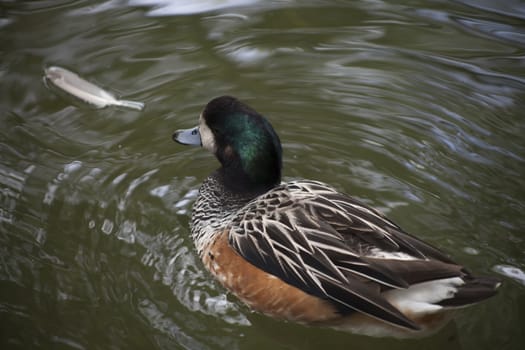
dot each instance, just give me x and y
(414, 108)
(176, 7)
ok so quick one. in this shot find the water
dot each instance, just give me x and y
(415, 108)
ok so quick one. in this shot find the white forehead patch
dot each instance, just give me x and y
(207, 138)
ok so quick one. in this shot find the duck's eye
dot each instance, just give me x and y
(194, 132)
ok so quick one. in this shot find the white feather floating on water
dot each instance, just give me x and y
(84, 90)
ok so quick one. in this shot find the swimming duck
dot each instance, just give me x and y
(305, 252)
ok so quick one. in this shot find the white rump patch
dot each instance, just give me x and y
(381, 254)
(422, 298)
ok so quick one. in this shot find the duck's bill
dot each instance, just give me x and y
(188, 136)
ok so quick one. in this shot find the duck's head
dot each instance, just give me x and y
(243, 141)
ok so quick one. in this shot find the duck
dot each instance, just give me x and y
(302, 251)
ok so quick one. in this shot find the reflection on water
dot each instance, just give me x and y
(415, 108)
(511, 272)
(180, 7)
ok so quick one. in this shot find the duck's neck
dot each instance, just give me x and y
(214, 207)
(239, 182)
(252, 172)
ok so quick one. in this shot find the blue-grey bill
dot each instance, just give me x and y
(188, 136)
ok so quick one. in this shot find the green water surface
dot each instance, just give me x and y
(415, 107)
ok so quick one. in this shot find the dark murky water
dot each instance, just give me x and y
(416, 108)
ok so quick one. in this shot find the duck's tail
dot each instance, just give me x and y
(474, 290)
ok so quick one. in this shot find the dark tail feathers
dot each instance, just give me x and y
(474, 290)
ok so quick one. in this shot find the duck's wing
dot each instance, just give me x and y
(335, 247)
